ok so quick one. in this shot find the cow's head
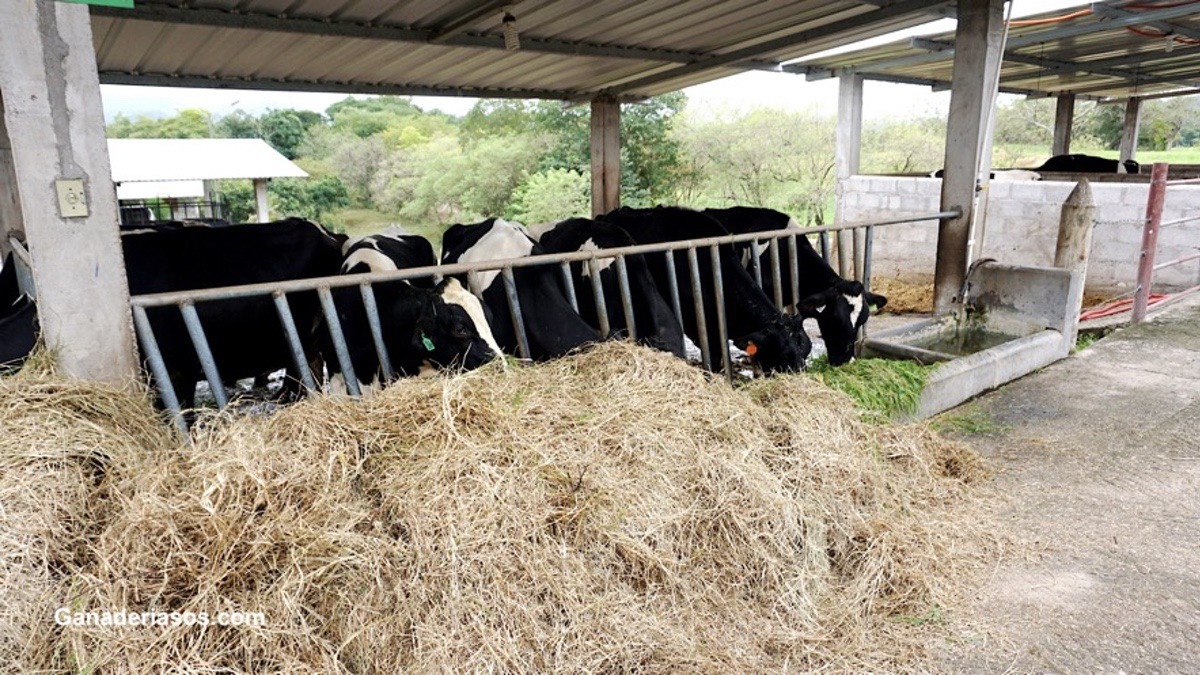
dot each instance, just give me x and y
(782, 346)
(840, 311)
(453, 329)
(1131, 166)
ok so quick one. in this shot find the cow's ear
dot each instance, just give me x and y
(876, 301)
(814, 304)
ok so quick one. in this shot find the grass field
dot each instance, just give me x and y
(361, 222)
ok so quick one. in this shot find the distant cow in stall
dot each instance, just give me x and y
(18, 318)
(552, 326)
(424, 325)
(775, 342)
(655, 322)
(840, 306)
(1088, 164)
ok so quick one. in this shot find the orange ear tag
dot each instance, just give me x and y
(751, 348)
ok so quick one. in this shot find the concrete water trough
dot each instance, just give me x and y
(1015, 320)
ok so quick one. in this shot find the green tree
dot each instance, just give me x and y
(310, 198)
(551, 195)
(238, 124)
(284, 130)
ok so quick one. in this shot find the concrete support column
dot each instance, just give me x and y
(847, 153)
(977, 45)
(55, 132)
(606, 156)
(1064, 120)
(11, 222)
(260, 200)
(1129, 131)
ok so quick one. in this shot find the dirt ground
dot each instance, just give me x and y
(1097, 463)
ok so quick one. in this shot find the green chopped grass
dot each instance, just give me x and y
(969, 420)
(884, 388)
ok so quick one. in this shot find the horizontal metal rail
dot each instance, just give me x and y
(186, 301)
(1178, 221)
(249, 290)
(1178, 261)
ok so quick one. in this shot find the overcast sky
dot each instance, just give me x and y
(752, 89)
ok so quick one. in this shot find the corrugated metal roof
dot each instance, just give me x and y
(1113, 49)
(188, 159)
(570, 49)
(164, 189)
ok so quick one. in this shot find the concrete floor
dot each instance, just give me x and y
(1097, 462)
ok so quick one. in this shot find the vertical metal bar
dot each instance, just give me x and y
(368, 297)
(845, 264)
(673, 284)
(824, 239)
(794, 268)
(598, 297)
(569, 284)
(776, 274)
(755, 262)
(868, 246)
(203, 352)
(339, 341)
(714, 253)
(473, 284)
(514, 308)
(1154, 208)
(293, 339)
(856, 237)
(626, 296)
(158, 367)
(698, 303)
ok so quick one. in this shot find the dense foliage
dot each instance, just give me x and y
(530, 160)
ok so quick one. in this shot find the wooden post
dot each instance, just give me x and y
(58, 159)
(847, 152)
(1129, 131)
(1073, 248)
(977, 45)
(260, 200)
(1064, 120)
(606, 156)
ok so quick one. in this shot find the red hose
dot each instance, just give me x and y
(1117, 307)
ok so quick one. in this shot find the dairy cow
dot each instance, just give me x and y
(775, 342)
(1088, 164)
(424, 325)
(655, 323)
(552, 326)
(840, 306)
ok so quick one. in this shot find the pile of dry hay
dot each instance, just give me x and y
(614, 511)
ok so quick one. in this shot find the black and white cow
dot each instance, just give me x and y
(425, 326)
(775, 342)
(655, 322)
(1088, 164)
(552, 326)
(1002, 175)
(18, 318)
(840, 306)
(245, 334)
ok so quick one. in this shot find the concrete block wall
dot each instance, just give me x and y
(1022, 227)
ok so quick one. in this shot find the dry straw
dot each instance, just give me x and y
(615, 511)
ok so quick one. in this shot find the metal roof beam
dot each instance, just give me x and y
(1146, 81)
(213, 18)
(459, 23)
(738, 57)
(162, 80)
(816, 72)
(1166, 26)
(1147, 97)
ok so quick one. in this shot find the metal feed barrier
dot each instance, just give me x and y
(185, 301)
(1153, 224)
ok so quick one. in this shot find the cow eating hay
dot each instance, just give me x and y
(616, 510)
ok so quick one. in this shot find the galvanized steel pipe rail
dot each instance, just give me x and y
(277, 291)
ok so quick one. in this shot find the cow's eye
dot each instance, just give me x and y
(460, 332)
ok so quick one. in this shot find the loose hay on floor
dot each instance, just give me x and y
(614, 511)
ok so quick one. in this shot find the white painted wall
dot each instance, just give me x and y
(1022, 227)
